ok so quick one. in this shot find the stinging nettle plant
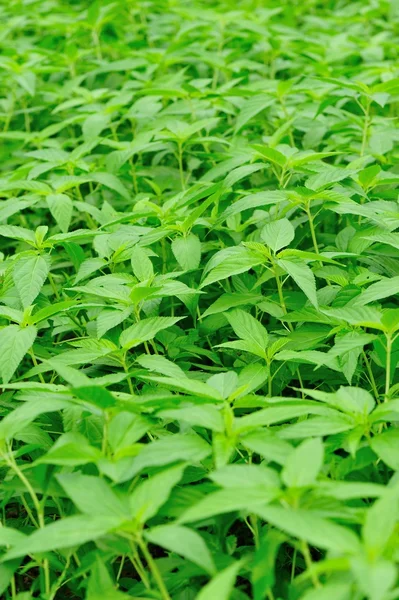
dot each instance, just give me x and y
(199, 318)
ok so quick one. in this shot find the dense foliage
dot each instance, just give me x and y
(199, 317)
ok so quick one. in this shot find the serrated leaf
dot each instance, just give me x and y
(278, 234)
(303, 277)
(145, 330)
(15, 342)
(61, 208)
(30, 273)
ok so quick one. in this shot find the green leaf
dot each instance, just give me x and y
(145, 330)
(268, 445)
(184, 541)
(380, 523)
(271, 154)
(141, 264)
(151, 494)
(251, 108)
(30, 273)
(65, 533)
(19, 418)
(101, 586)
(61, 208)
(92, 495)
(278, 234)
(48, 311)
(230, 500)
(15, 342)
(177, 448)
(71, 449)
(221, 586)
(246, 327)
(263, 575)
(303, 277)
(187, 251)
(386, 446)
(229, 262)
(308, 526)
(317, 426)
(331, 591)
(110, 318)
(303, 464)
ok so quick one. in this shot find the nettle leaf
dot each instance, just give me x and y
(303, 277)
(18, 419)
(61, 208)
(30, 273)
(187, 251)
(178, 448)
(65, 533)
(386, 446)
(71, 449)
(278, 234)
(149, 496)
(145, 330)
(109, 318)
(199, 322)
(101, 585)
(308, 526)
(92, 496)
(222, 584)
(303, 464)
(183, 541)
(229, 262)
(380, 523)
(263, 569)
(251, 108)
(246, 327)
(15, 342)
(141, 264)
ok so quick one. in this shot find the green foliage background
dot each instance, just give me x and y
(199, 319)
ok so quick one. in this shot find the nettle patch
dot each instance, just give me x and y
(199, 317)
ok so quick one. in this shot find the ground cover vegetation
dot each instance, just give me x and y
(199, 235)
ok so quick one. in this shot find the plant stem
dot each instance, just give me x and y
(269, 380)
(309, 564)
(53, 286)
(365, 126)
(280, 290)
(9, 459)
(293, 566)
(371, 375)
(32, 354)
(312, 229)
(154, 569)
(181, 171)
(129, 380)
(388, 368)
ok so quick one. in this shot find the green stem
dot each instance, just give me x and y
(129, 379)
(371, 375)
(388, 368)
(312, 229)
(9, 460)
(365, 127)
(36, 365)
(13, 588)
(181, 171)
(269, 380)
(280, 290)
(53, 286)
(293, 566)
(309, 564)
(154, 569)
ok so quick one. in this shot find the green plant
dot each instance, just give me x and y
(199, 324)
